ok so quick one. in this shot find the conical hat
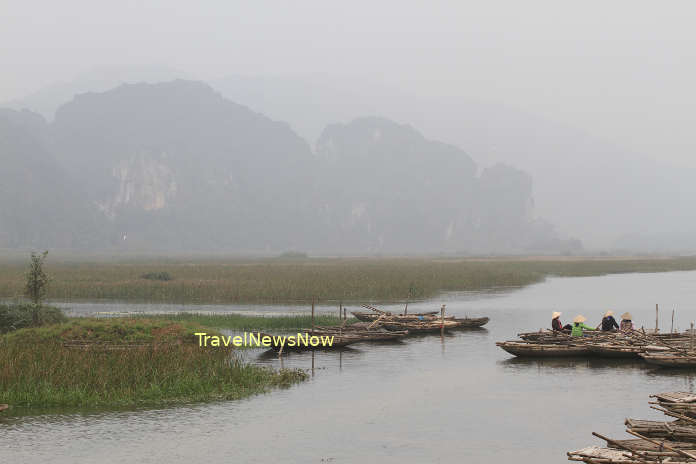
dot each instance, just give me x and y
(626, 316)
(555, 315)
(609, 313)
(579, 319)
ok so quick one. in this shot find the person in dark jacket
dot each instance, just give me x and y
(608, 322)
(556, 323)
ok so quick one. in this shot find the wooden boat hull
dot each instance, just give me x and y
(669, 360)
(614, 351)
(365, 335)
(371, 317)
(338, 342)
(3, 407)
(467, 322)
(420, 327)
(543, 350)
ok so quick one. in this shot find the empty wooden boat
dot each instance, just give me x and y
(306, 341)
(622, 350)
(371, 317)
(544, 350)
(471, 322)
(368, 334)
(420, 326)
(670, 359)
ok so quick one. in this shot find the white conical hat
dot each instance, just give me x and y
(580, 318)
(626, 316)
(555, 314)
(609, 313)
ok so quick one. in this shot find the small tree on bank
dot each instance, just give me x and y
(37, 284)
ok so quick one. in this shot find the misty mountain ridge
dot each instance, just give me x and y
(174, 165)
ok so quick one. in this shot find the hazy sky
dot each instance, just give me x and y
(624, 70)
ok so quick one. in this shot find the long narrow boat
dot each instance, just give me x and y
(622, 350)
(421, 326)
(670, 359)
(471, 322)
(370, 317)
(299, 344)
(367, 335)
(543, 350)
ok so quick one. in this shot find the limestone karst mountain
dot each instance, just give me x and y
(176, 166)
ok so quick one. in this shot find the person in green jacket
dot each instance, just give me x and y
(578, 326)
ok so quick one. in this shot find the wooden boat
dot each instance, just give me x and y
(371, 317)
(420, 326)
(619, 350)
(336, 341)
(3, 407)
(670, 359)
(471, 322)
(368, 335)
(677, 402)
(608, 350)
(544, 350)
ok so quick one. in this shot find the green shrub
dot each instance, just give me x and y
(20, 316)
(163, 275)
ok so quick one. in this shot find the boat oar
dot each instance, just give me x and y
(662, 445)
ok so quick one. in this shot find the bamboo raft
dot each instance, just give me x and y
(672, 441)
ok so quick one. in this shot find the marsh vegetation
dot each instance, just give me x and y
(298, 281)
(124, 362)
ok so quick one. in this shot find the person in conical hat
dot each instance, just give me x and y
(626, 322)
(608, 322)
(579, 326)
(556, 323)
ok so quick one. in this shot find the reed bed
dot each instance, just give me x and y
(38, 370)
(300, 280)
(244, 322)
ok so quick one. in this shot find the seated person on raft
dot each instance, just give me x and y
(608, 322)
(556, 323)
(626, 322)
(578, 326)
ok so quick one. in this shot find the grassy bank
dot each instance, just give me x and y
(300, 280)
(126, 362)
(242, 322)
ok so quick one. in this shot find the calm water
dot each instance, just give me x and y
(457, 399)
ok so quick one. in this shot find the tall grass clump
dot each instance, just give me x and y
(38, 368)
